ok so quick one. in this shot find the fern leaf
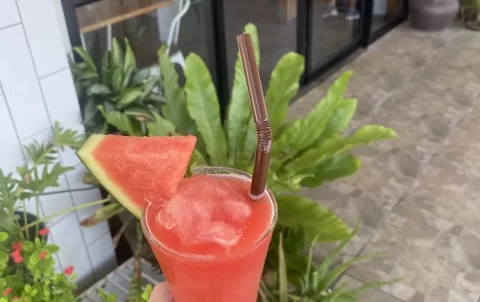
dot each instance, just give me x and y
(41, 153)
(67, 137)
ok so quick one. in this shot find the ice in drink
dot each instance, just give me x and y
(211, 239)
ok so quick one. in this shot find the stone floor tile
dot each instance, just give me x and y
(418, 196)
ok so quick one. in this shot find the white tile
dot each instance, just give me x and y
(102, 255)
(75, 178)
(73, 250)
(92, 233)
(20, 84)
(54, 203)
(8, 13)
(61, 99)
(43, 34)
(11, 154)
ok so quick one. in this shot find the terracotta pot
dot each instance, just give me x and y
(433, 15)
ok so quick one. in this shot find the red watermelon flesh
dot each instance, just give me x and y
(136, 170)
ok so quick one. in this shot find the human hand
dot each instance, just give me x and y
(161, 293)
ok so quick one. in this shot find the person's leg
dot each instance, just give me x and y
(331, 9)
(352, 13)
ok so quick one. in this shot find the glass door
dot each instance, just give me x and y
(386, 14)
(334, 32)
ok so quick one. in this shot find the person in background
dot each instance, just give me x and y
(352, 13)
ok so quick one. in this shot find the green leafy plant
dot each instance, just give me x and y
(311, 282)
(26, 263)
(27, 271)
(119, 97)
(115, 89)
(306, 152)
(470, 13)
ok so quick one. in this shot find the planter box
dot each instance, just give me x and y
(118, 282)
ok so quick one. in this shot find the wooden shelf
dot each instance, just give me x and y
(106, 12)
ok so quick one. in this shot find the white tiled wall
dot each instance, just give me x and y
(36, 89)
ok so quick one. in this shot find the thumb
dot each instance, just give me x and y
(161, 293)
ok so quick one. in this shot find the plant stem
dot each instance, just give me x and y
(25, 217)
(37, 213)
(86, 205)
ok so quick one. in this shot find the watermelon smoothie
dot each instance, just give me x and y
(210, 238)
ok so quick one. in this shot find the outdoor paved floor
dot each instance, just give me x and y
(418, 196)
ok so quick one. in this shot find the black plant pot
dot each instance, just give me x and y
(433, 15)
(31, 231)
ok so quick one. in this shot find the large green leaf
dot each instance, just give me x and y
(160, 127)
(127, 79)
(175, 107)
(117, 79)
(339, 166)
(363, 136)
(106, 67)
(239, 111)
(129, 96)
(338, 145)
(283, 86)
(282, 273)
(141, 76)
(202, 104)
(304, 132)
(340, 119)
(117, 54)
(86, 58)
(140, 113)
(99, 89)
(300, 212)
(287, 183)
(122, 122)
(89, 75)
(130, 62)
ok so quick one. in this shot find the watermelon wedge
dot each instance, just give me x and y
(136, 170)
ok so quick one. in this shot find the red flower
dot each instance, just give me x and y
(17, 258)
(17, 246)
(42, 255)
(44, 232)
(7, 291)
(68, 270)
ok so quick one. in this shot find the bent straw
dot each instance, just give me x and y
(259, 110)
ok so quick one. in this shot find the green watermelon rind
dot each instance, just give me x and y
(85, 153)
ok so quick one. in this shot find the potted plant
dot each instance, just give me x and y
(306, 152)
(26, 262)
(470, 14)
(433, 15)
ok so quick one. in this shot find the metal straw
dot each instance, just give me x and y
(259, 110)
